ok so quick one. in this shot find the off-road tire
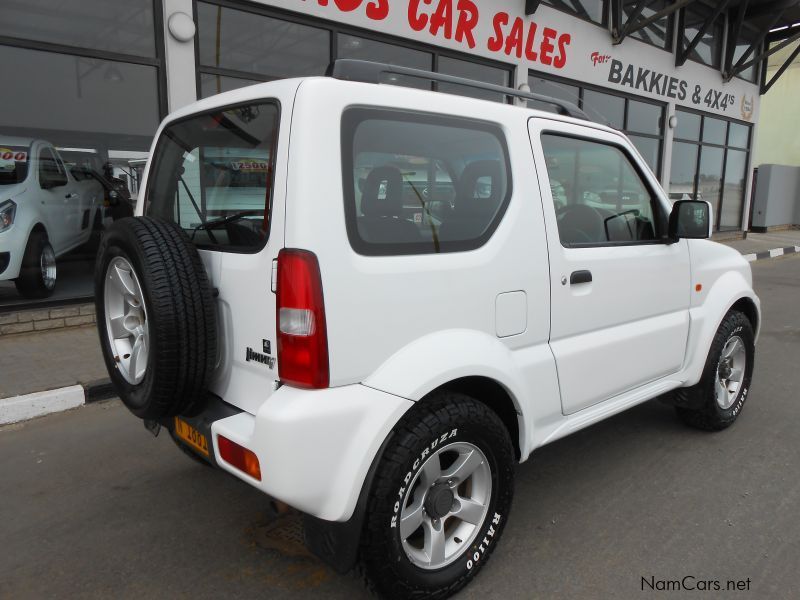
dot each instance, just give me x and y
(697, 406)
(30, 282)
(181, 314)
(446, 418)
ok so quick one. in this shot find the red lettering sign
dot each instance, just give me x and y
(549, 49)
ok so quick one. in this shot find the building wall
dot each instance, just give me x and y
(781, 114)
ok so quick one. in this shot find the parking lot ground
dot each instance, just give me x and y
(91, 506)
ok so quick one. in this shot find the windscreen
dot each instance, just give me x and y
(212, 174)
(13, 164)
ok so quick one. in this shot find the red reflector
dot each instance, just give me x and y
(302, 331)
(239, 456)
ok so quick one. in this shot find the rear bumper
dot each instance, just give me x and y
(314, 447)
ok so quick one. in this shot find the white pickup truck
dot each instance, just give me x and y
(44, 213)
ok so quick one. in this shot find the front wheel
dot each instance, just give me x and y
(715, 402)
(37, 277)
(440, 499)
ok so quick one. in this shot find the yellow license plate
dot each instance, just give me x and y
(191, 436)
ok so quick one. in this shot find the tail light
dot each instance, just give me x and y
(239, 456)
(302, 332)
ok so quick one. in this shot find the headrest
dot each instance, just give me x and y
(391, 205)
(471, 197)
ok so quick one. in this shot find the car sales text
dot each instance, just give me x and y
(458, 20)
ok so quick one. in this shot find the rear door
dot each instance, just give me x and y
(620, 293)
(218, 175)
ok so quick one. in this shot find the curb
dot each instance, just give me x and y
(28, 406)
(774, 253)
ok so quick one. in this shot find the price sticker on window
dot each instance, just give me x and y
(9, 157)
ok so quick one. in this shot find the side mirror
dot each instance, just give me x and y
(690, 219)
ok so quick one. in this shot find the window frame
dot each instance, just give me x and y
(158, 60)
(724, 147)
(159, 148)
(660, 137)
(670, 34)
(660, 213)
(720, 22)
(352, 117)
(603, 23)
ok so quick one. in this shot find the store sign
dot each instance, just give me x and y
(667, 86)
(549, 41)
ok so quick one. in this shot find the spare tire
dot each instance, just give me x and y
(156, 317)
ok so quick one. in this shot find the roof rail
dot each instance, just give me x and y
(373, 72)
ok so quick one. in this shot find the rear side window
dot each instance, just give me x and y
(420, 183)
(212, 174)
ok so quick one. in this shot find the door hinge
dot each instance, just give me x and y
(274, 279)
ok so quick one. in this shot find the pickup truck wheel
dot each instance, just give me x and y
(156, 317)
(440, 499)
(715, 402)
(37, 277)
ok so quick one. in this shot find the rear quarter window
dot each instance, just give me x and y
(421, 183)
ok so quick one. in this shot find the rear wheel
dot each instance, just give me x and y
(440, 500)
(37, 277)
(716, 401)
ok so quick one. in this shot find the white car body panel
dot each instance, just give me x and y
(314, 447)
(399, 327)
(629, 325)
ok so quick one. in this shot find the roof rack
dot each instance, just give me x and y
(373, 72)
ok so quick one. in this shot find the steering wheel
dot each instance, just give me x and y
(590, 219)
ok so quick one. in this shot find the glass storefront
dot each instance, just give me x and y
(85, 85)
(241, 47)
(709, 162)
(641, 120)
(83, 97)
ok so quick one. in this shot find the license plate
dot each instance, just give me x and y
(191, 436)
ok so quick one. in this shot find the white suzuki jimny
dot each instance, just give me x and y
(370, 302)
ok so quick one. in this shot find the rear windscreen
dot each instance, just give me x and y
(212, 174)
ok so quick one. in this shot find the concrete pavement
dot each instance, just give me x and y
(94, 507)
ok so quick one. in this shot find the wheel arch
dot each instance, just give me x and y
(746, 305)
(730, 292)
(449, 360)
(495, 396)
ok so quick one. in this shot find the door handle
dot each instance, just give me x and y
(71, 195)
(580, 277)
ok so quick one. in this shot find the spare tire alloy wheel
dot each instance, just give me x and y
(440, 499)
(126, 319)
(156, 317)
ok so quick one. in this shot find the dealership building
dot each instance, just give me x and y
(682, 78)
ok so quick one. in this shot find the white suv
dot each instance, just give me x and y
(365, 301)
